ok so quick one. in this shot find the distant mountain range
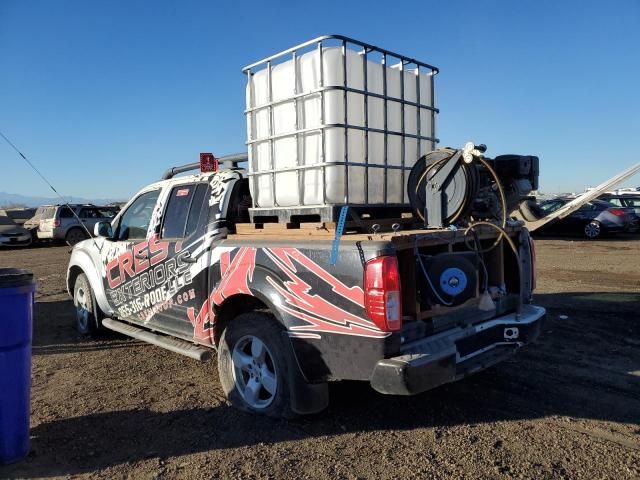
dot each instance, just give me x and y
(14, 199)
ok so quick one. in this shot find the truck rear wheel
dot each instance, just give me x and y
(253, 366)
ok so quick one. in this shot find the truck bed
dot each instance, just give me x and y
(500, 261)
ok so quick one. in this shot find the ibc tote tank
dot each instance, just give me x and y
(331, 125)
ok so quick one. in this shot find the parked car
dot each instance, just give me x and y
(20, 215)
(592, 220)
(59, 223)
(625, 200)
(11, 234)
(34, 222)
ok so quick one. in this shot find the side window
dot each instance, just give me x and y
(587, 207)
(198, 211)
(65, 212)
(551, 206)
(107, 213)
(182, 215)
(615, 201)
(88, 213)
(134, 222)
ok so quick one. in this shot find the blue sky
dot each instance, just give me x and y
(103, 96)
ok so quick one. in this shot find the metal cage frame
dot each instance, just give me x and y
(364, 49)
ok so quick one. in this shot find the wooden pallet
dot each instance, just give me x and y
(409, 237)
(325, 228)
(327, 213)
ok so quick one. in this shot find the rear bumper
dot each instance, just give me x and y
(456, 353)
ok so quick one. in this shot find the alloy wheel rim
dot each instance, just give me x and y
(254, 372)
(82, 313)
(592, 230)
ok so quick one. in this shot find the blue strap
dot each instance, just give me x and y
(339, 231)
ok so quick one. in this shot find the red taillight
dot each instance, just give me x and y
(382, 294)
(618, 212)
(56, 222)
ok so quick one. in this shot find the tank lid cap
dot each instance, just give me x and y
(15, 277)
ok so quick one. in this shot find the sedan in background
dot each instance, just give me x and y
(593, 220)
(11, 234)
(20, 215)
(624, 200)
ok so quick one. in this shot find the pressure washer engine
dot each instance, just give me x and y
(449, 187)
(461, 188)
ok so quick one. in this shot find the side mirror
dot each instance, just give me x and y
(103, 229)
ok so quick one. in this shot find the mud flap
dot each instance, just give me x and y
(305, 397)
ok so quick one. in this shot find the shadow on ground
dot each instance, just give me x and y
(584, 366)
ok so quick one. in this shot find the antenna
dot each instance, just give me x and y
(64, 201)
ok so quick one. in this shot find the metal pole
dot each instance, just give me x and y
(323, 158)
(433, 112)
(346, 129)
(250, 146)
(366, 126)
(418, 110)
(386, 128)
(402, 148)
(297, 126)
(272, 149)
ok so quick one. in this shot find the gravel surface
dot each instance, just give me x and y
(566, 407)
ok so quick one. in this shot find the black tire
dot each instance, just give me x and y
(88, 313)
(266, 330)
(75, 235)
(593, 230)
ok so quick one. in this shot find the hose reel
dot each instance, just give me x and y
(449, 186)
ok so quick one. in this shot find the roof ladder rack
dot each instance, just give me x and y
(228, 161)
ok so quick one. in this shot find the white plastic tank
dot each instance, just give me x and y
(294, 143)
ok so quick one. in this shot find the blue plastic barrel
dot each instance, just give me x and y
(17, 290)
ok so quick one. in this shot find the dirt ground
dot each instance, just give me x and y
(566, 407)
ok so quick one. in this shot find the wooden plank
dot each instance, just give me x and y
(317, 226)
(278, 226)
(384, 225)
(246, 227)
(294, 233)
(403, 239)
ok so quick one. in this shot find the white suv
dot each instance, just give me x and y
(59, 223)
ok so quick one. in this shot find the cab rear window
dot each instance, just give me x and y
(181, 218)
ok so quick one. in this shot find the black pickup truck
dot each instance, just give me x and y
(181, 267)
